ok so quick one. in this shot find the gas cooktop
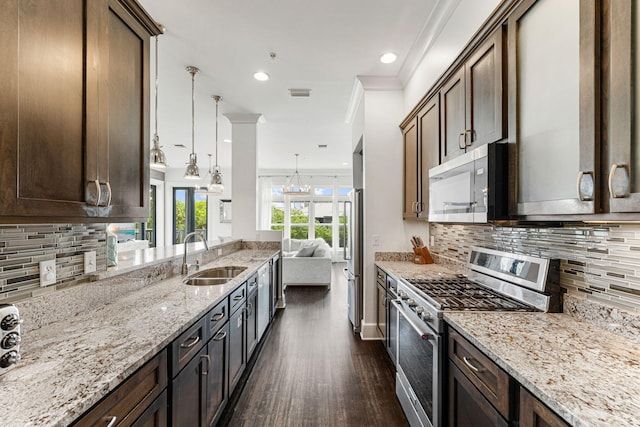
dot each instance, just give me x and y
(460, 293)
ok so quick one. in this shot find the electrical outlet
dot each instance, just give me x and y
(48, 273)
(219, 251)
(375, 240)
(89, 262)
(432, 240)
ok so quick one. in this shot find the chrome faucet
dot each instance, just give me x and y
(185, 266)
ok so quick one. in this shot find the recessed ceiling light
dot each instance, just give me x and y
(388, 58)
(226, 140)
(345, 164)
(261, 76)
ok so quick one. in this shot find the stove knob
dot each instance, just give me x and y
(427, 317)
(9, 359)
(9, 322)
(419, 310)
(402, 295)
(411, 303)
(10, 340)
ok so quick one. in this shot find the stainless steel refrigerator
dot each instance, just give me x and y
(353, 254)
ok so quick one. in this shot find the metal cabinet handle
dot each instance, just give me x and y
(473, 134)
(218, 317)
(206, 357)
(462, 137)
(220, 336)
(612, 172)
(470, 365)
(194, 341)
(238, 297)
(109, 194)
(111, 421)
(585, 188)
(96, 201)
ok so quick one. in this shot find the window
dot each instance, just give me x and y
(189, 213)
(320, 215)
(150, 226)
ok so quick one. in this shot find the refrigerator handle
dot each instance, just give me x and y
(347, 242)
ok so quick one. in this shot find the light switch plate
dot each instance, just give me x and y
(375, 240)
(48, 272)
(90, 262)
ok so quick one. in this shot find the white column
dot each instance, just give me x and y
(244, 176)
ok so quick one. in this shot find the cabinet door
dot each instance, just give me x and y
(217, 383)
(237, 346)
(452, 99)
(534, 413)
(188, 397)
(429, 127)
(485, 97)
(155, 415)
(623, 161)
(126, 113)
(42, 119)
(252, 323)
(382, 312)
(467, 406)
(553, 116)
(411, 197)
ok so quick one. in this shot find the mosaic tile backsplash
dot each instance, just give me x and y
(22, 247)
(600, 263)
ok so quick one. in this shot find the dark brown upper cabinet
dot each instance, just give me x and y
(74, 113)
(554, 98)
(421, 138)
(473, 99)
(622, 161)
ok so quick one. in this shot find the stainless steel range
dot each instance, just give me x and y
(500, 281)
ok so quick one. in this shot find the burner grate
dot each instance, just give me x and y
(460, 293)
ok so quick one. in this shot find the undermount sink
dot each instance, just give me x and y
(213, 276)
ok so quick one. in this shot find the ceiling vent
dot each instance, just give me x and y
(322, 145)
(297, 93)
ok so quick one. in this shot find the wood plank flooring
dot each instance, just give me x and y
(313, 371)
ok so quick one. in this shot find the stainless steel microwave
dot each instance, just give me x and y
(471, 188)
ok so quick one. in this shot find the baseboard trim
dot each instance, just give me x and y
(369, 332)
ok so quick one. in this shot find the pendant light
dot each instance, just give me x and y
(215, 186)
(192, 171)
(294, 185)
(158, 159)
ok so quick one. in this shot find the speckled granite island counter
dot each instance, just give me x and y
(69, 365)
(587, 375)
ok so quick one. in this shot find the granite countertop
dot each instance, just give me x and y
(585, 373)
(69, 366)
(589, 376)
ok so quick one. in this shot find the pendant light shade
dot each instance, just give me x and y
(294, 186)
(158, 159)
(192, 171)
(213, 181)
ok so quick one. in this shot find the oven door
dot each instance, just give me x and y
(419, 367)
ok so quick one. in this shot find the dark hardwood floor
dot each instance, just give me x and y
(313, 371)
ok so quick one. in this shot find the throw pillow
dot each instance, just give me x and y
(319, 253)
(296, 244)
(306, 249)
(286, 244)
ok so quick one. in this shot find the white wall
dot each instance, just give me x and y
(463, 23)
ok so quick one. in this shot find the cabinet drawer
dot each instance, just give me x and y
(187, 345)
(494, 383)
(217, 317)
(252, 284)
(238, 297)
(130, 400)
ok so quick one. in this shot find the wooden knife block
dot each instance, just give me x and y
(422, 255)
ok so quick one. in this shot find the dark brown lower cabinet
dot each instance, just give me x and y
(217, 384)
(155, 415)
(252, 323)
(534, 413)
(136, 400)
(237, 347)
(467, 406)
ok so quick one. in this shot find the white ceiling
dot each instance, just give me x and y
(319, 44)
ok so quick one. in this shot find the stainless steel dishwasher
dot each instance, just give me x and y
(264, 295)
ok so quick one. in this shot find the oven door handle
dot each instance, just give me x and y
(425, 335)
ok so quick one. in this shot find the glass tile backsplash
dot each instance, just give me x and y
(22, 247)
(601, 263)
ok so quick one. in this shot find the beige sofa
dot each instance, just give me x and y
(306, 263)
